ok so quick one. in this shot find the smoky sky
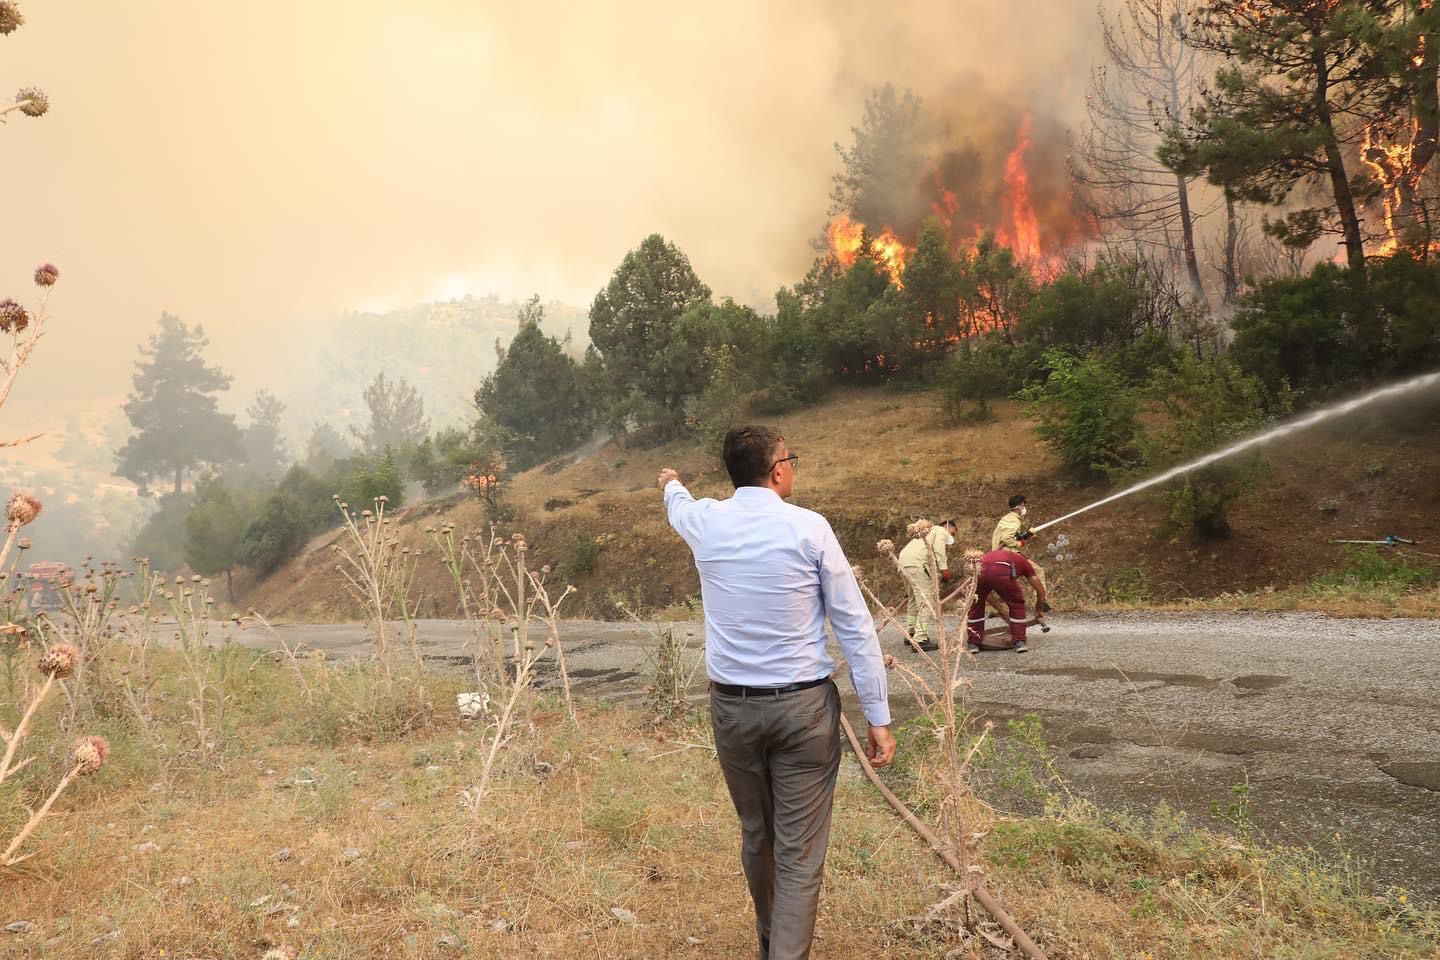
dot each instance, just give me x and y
(254, 167)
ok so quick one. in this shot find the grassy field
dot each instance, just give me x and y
(329, 821)
(872, 460)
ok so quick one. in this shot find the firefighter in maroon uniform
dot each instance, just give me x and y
(1000, 573)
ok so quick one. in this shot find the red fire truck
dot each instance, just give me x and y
(45, 578)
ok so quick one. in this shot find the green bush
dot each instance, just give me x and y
(583, 555)
(1087, 413)
(277, 533)
(369, 480)
(1206, 404)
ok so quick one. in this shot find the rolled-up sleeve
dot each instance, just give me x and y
(854, 629)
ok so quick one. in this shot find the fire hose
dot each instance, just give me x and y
(982, 896)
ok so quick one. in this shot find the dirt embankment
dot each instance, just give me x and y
(872, 460)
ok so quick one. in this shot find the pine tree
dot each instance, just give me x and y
(397, 417)
(262, 450)
(213, 528)
(633, 320)
(1296, 73)
(535, 394)
(173, 408)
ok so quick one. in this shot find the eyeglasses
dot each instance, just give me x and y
(793, 460)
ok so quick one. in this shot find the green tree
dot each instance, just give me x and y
(932, 283)
(213, 528)
(535, 393)
(397, 417)
(1086, 412)
(173, 408)
(324, 448)
(373, 478)
(883, 171)
(1206, 403)
(1295, 71)
(161, 538)
(262, 451)
(277, 532)
(632, 325)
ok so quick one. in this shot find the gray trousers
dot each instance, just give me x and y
(780, 755)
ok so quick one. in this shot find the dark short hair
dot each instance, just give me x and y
(1016, 500)
(750, 453)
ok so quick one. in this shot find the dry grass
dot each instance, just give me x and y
(872, 460)
(606, 838)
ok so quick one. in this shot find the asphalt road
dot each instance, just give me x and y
(1335, 724)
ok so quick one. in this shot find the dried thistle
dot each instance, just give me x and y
(46, 274)
(10, 17)
(60, 661)
(885, 547)
(33, 101)
(12, 316)
(22, 509)
(89, 754)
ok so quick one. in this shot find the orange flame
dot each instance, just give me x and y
(1389, 165)
(847, 238)
(1023, 235)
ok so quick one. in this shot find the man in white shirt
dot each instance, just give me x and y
(770, 575)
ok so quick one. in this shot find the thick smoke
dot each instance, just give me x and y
(250, 167)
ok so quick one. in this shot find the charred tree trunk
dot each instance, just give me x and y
(1335, 168)
(1231, 275)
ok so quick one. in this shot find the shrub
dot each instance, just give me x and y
(584, 553)
(1087, 413)
(1206, 404)
(277, 533)
(369, 480)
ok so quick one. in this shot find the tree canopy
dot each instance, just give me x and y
(174, 410)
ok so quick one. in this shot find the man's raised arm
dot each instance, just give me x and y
(679, 505)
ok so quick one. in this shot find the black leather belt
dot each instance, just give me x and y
(730, 689)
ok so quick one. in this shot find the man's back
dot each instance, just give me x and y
(767, 569)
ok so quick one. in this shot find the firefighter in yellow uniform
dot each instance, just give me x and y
(925, 565)
(1010, 532)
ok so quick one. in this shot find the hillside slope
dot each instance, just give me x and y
(872, 460)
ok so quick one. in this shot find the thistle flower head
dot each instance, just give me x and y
(919, 528)
(33, 100)
(10, 17)
(857, 571)
(46, 275)
(60, 661)
(89, 754)
(885, 547)
(12, 316)
(21, 509)
(23, 543)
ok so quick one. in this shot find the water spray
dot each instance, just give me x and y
(1275, 433)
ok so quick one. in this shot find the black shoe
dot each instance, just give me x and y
(929, 646)
(972, 648)
(1021, 646)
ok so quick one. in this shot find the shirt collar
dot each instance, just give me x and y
(757, 495)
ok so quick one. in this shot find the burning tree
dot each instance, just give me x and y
(1278, 117)
(1145, 88)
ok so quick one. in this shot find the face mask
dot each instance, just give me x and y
(949, 540)
(1021, 510)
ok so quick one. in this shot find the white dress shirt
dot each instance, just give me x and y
(770, 573)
